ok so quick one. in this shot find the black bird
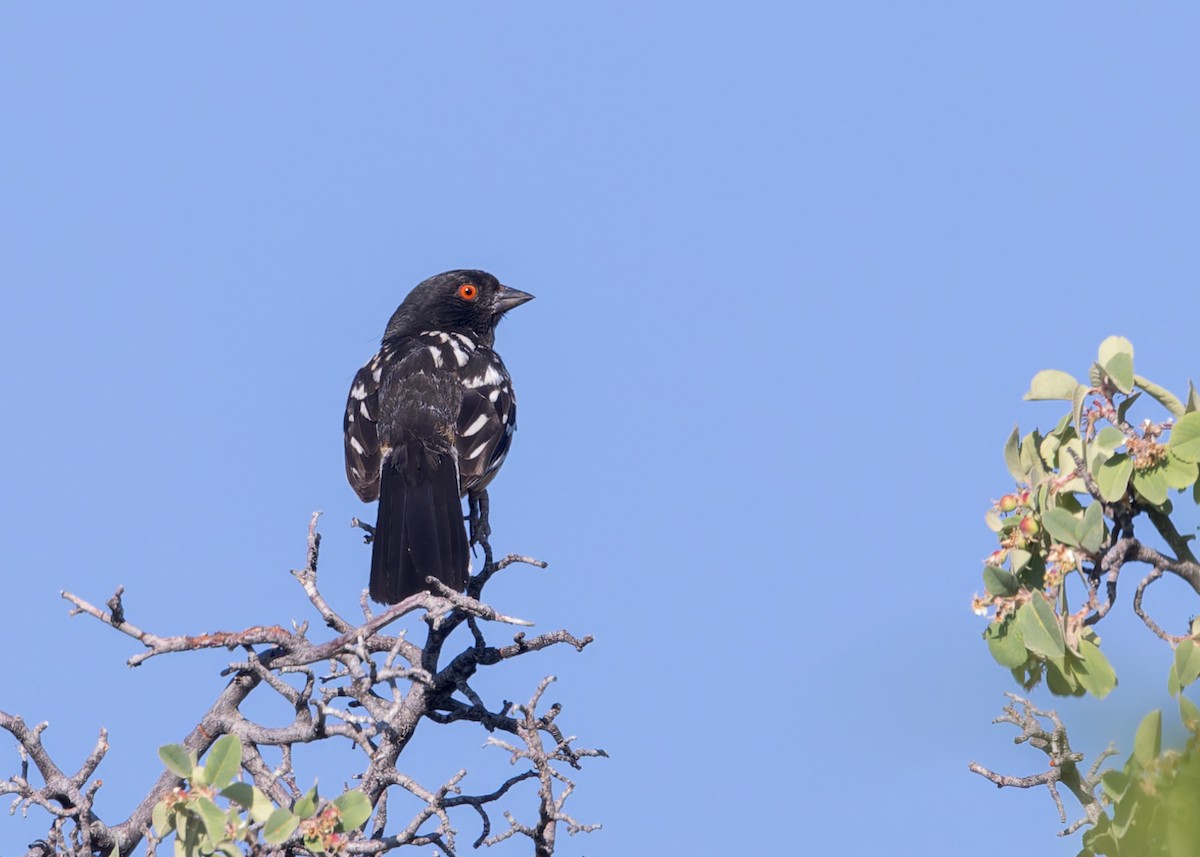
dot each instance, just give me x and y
(429, 420)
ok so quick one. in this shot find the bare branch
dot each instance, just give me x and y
(1063, 766)
(374, 693)
(1177, 543)
(1154, 575)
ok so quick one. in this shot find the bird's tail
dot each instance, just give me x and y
(419, 532)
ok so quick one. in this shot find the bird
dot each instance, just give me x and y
(429, 420)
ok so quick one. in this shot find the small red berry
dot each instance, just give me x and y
(1028, 526)
(1008, 502)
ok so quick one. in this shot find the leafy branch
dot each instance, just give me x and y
(1080, 490)
(1067, 533)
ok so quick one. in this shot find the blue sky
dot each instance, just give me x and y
(794, 264)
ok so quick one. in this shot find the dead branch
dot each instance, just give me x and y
(1063, 767)
(374, 693)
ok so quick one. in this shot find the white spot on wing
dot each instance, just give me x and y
(359, 391)
(474, 453)
(494, 395)
(491, 376)
(473, 428)
(356, 446)
(362, 408)
(437, 355)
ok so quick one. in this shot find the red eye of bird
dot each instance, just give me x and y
(468, 292)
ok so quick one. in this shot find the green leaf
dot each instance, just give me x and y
(1163, 396)
(252, 799)
(223, 761)
(1123, 408)
(1115, 783)
(354, 808)
(1070, 503)
(1091, 529)
(1062, 433)
(1033, 575)
(1113, 477)
(1178, 474)
(1189, 713)
(213, 817)
(178, 759)
(1051, 384)
(187, 837)
(280, 826)
(1095, 672)
(1119, 368)
(999, 582)
(1187, 662)
(1019, 558)
(1062, 681)
(1096, 456)
(1185, 438)
(1062, 526)
(1151, 484)
(1077, 399)
(307, 805)
(1012, 456)
(1031, 460)
(1124, 814)
(1039, 626)
(1046, 449)
(1006, 643)
(1099, 840)
(1193, 402)
(1028, 674)
(163, 819)
(1112, 346)
(1109, 438)
(1147, 742)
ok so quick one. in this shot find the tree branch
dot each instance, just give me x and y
(368, 697)
(1063, 762)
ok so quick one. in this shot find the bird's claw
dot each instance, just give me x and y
(477, 520)
(366, 528)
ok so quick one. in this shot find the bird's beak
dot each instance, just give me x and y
(507, 298)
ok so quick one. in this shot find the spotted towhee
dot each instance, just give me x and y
(429, 420)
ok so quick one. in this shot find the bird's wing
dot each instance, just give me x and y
(486, 420)
(363, 456)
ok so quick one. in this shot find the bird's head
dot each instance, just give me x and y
(466, 301)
